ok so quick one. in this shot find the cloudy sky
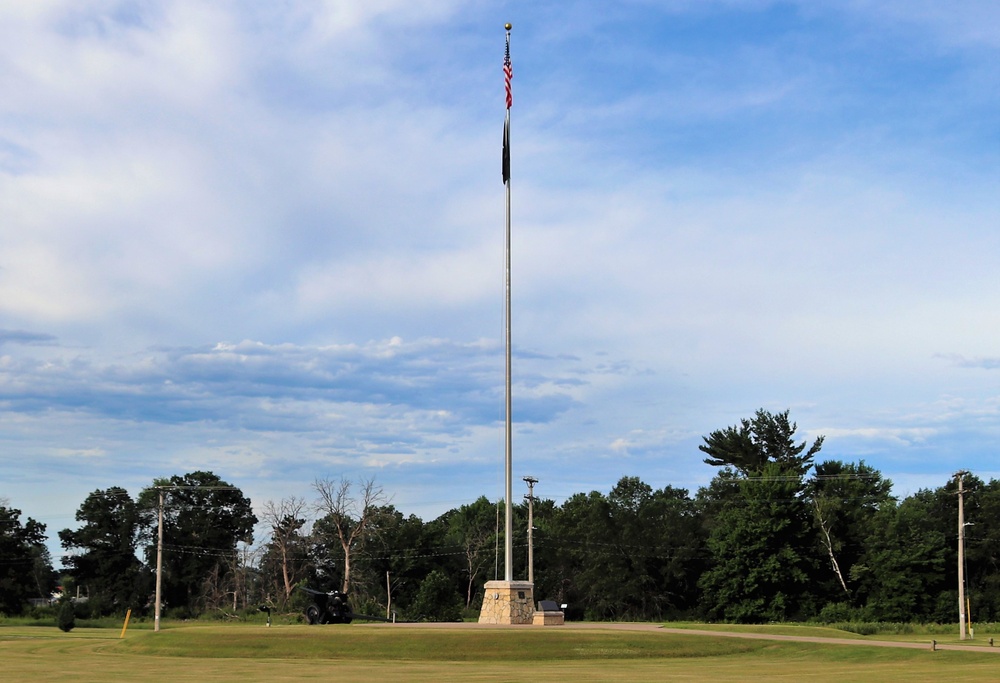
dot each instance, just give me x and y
(265, 238)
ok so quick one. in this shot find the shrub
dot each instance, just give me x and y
(369, 607)
(871, 628)
(437, 599)
(43, 613)
(66, 619)
(836, 612)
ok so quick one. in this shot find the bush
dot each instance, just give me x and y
(215, 615)
(837, 612)
(43, 613)
(66, 619)
(437, 599)
(86, 608)
(178, 613)
(368, 607)
(871, 628)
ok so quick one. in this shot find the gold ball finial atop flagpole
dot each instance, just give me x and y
(508, 26)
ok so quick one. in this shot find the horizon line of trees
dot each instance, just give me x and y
(774, 536)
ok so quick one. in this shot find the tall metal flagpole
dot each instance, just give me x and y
(507, 601)
(508, 74)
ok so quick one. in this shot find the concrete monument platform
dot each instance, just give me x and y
(508, 602)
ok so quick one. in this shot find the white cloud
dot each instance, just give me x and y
(892, 435)
(705, 222)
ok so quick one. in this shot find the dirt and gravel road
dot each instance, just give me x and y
(925, 645)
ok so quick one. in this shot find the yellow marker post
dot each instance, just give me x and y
(127, 615)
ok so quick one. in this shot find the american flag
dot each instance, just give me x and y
(508, 73)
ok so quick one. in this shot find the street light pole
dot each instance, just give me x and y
(531, 527)
(163, 488)
(159, 565)
(961, 556)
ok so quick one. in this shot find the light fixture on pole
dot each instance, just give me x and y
(961, 557)
(531, 481)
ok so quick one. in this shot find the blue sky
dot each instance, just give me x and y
(266, 239)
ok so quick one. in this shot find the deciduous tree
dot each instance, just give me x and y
(288, 546)
(25, 567)
(760, 545)
(205, 518)
(472, 528)
(103, 551)
(397, 552)
(845, 498)
(346, 515)
(902, 571)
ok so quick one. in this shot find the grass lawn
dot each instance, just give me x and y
(917, 634)
(360, 652)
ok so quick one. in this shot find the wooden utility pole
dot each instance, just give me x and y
(159, 540)
(159, 566)
(961, 557)
(531, 527)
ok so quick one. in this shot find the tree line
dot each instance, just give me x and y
(777, 535)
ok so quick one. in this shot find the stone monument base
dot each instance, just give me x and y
(508, 602)
(548, 614)
(556, 618)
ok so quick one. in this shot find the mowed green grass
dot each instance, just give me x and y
(429, 644)
(367, 652)
(919, 634)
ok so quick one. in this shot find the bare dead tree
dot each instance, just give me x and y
(213, 593)
(348, 513)
(285, 518)
(247, 557)
(229, 578)
(475, 560)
